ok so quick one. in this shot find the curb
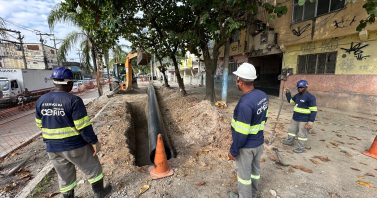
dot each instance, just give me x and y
(34, 182)
(21, 145)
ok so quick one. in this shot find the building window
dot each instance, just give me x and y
(323, 63)
(32, 47)
(314, 8)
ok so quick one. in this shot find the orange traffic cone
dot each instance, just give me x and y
(161, 168)
(373, 149)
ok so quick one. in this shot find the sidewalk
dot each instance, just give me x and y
(19, 130)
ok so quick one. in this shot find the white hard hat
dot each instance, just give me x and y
(246, 71)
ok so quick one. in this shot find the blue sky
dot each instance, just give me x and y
(27, 16)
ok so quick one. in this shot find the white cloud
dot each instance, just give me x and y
(28, 15)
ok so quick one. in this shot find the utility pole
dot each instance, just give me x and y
(21, 43)
(43, 50)
(56, 50)
(22, 48)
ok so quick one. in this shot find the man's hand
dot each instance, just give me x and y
(96, 148)
(287, 90)
(309, 125)
(230, 157)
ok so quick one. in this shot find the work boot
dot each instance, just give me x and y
(99, 190)
(287, 142)
(298, 150)
(69, 194)
(233, 195)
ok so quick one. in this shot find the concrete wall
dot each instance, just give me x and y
(11, 57)
(322, 27)
(346, 63)
(353, 93)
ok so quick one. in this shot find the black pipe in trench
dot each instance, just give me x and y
(156, 125)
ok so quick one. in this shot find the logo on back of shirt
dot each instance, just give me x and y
(53, 109)
(263, 107)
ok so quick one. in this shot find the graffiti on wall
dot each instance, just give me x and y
(344, 22)
(357, 51)
(298, 31)
(329, 45)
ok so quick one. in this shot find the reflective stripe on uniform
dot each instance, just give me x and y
(292, 134)
(69, 187)
(314, 108)
(255, 176)
(302, 139)
(38, 122)
(59, 133)
(292, 102)
(301, 110)
(267, 113)
(95, 179)
(243, 181)
(82, 123)
(245, 128)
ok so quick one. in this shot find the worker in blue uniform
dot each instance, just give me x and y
(304, 114)
(249, 118)
(69, 136)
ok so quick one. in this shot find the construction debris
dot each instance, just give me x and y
(365, 184)
(300, 167)
(314, 161)
(354, 169)
(273, 193)
(322, 158)
(143, 189)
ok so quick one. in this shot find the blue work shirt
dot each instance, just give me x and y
(305, 109)
(249, 118)
(64, 122)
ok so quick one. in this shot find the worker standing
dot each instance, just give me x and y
(69, 136)
(304, 114)
(249, 118)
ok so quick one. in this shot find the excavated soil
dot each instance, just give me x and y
(200, 135)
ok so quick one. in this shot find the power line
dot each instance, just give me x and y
(21, 26)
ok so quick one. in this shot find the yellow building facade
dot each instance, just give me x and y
(317, 42)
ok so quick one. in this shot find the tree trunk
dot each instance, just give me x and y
(210, 64)
(179, 79)
(96, 69)
(165, 79)
(163, 70)
(224, 92)
(106, 57)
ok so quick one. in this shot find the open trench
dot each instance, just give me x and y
(138, 133)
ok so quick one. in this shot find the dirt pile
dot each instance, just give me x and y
(94, 106)
(197, 122)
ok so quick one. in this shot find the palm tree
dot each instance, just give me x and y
(87, 44)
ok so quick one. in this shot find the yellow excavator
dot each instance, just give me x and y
(127, 83)
(123, 73)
